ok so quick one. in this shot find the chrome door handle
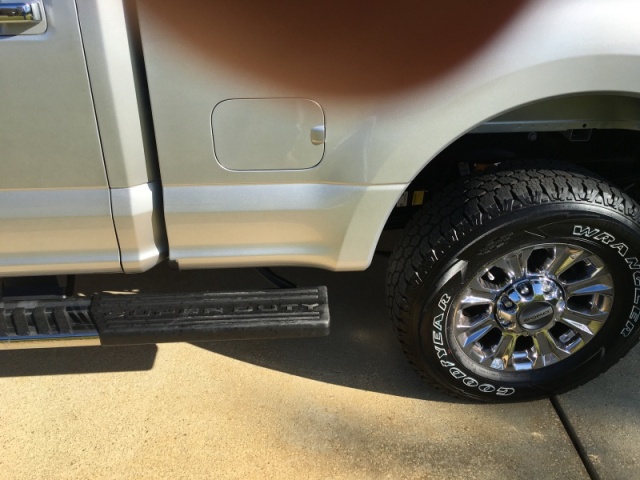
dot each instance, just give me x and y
(20, 12)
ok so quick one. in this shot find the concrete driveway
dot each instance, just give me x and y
(344, 406)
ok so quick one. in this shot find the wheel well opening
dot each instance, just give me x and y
(613, 154)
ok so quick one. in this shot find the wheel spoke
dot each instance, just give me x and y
(501, 357)
(476, 294)
(598, 283)
(586, 324)
(548, 350)
(514, 264)
(476, 297)
(480, 289)
(564, 258)
(475, 331)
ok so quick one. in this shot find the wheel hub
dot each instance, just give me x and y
(530, 305)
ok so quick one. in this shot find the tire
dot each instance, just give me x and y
(519, 284)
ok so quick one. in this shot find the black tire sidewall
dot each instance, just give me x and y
(606, 233)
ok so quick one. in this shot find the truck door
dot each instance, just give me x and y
(55, 213)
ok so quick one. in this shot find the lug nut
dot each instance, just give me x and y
(524, 290)
(506, 303)
(506, 323)
(546, 288)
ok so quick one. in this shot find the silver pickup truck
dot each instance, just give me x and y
(513, 176)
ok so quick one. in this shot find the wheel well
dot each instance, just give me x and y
(613, 154)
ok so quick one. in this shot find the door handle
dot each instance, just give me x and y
(20, 13)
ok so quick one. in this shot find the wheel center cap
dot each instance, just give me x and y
(535, 315)
(530, 305)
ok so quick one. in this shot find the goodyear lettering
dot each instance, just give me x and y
(444, 301)
(437, 322)
(447, 363)
(470, 382)
(441, 352)
(628, 328)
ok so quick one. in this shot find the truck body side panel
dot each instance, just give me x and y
(552, 49)
(83, 188)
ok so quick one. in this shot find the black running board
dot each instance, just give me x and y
(106, 319)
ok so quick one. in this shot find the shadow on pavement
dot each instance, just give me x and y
(65, 361)
(361, 351)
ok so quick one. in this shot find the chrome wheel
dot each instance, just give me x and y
(533, 307)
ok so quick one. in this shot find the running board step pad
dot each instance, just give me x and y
(140, 319)
(279, 313)
(46, 323)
